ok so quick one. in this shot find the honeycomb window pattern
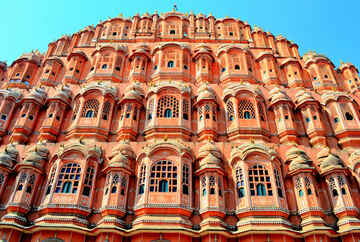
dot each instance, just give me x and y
(168, 106)
(230, 110)
(259, 181)
(163, 177)
(246, 109)
(91, 105)
(106, 110)
(76, 108)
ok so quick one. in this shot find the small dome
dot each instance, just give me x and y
(9, 155)
(37, 155)
(205, 92)
(276, 95)
(133, 92)
(210, 161)
(63, 93)
(329, 161)
(298, 159)
(121, 155)
(38, 94)
(209, 148)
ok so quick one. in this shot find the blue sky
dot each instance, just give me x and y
(328, 27)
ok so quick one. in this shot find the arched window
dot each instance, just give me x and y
(163, 186)
(246, 109)
(237, 67)
(230, 110)
(142, 172)
(185, 179)
(168, 103)
(128, 110)
(88, 181)
(90, 109)
(51, 180)
(203, 185)
(167, 113)
(240, 183)
(170, 64)
(68, 178)
(260, 190)
(89, 114)
(348, 116)
(278, 182)
(258, 174)
(163, 173)
(106, 110)
(172, 31)
(104, 66)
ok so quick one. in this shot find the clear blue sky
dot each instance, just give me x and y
(328, 27)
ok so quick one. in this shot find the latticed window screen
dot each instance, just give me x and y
(150, 109)
(333, 187)
(261, 112)
(308, 185)
(76, 108)
(203, 185)
(200, 112)
(106, 110)
(230, 110)
(278, 182)
(341, 182)
(22, 180)
(68, 179)
(185, 178)
(123, 185)
(142, 173)
(88, 181)
(51, 180)
(240, 183)
(186, 109)
(25, 108)
(2, 178)
(246, 109)
(163, 177)
(7, 108)
(259, 181)
(212, 183)
(91, 106)
(168, 106)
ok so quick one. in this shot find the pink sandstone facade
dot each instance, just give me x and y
(178, 127)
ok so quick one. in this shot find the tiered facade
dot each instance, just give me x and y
(178, 127)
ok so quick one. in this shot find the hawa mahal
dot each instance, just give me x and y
(178, 127)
